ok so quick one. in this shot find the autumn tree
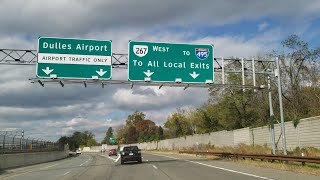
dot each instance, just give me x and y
(299, 70)
(131, 136)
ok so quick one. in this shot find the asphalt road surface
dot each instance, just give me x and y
(154, 167)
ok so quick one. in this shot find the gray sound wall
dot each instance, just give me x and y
(306, 134)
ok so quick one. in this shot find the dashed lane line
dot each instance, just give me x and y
(66, 173)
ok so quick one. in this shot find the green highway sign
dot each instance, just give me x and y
(167, 62)
(74, 58)
(112, 140)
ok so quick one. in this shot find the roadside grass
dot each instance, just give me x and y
(257, 149)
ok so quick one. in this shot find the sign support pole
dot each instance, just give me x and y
(281, 108)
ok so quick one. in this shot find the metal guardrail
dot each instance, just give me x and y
(262, 157)
(9, 145)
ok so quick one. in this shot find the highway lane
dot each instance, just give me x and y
(154, 166)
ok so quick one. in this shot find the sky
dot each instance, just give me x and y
(245, 28)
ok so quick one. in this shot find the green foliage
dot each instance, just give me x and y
(78, 139)
(178, 125)
(91, 142)
(160, 133)
(134, 118)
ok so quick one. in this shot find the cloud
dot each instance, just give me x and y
(263, 26)
(53, 18)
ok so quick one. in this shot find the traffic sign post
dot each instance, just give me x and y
(167, 62)
(74, 58)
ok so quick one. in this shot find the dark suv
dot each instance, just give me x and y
(130, 153)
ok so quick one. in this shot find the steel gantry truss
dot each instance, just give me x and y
(29, 57)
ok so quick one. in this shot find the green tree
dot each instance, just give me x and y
(134, 118)
(160, 133)
(178, 125)
(63, 140)
(108, 135)
(91, 142)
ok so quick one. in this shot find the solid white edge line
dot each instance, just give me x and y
(230, 170)
(66, 173)
(208, 165)
(165, 156)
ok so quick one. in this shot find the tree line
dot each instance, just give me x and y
(78, 140)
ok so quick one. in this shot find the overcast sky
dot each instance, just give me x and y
(243, 28)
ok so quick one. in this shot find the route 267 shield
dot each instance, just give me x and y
(202, 53)
(140, 50)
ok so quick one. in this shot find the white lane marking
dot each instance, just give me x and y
(49, 166)
(154, 166)
(66, 173)
(230, 170)
(147, 160)
(225, 169)
(86, 161)
(117, 159)
(81, 164)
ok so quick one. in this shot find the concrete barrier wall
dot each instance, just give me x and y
(307, 133)
(23, 159)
